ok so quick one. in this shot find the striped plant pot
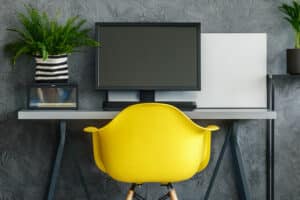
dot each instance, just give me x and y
(53, 70)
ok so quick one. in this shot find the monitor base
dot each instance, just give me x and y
(120, 105)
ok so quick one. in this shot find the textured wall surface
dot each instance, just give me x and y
(27, 147)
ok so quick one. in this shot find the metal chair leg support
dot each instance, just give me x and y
(220, 158)
(58, 158)
(166, 196)
(132, 194)
(171, 193)
(138, 197)
(241, 183)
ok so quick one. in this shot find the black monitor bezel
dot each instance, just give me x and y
(140, 87)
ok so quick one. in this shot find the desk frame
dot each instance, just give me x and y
(230, 139)
(58, 159)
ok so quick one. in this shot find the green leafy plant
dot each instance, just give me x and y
(42, 36)
(292, 15)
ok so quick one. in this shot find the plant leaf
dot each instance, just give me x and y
(42, 35)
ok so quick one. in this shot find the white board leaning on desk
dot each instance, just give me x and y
(233, 73)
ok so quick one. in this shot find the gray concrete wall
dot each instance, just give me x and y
(27, 147)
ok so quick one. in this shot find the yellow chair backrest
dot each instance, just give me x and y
(151, 142)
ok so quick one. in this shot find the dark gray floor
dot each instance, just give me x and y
(27, 147)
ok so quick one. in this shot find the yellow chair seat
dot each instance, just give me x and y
(151, 142)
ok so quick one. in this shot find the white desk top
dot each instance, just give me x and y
(195, 114)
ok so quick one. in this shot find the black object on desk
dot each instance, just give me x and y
(146, 96)
(120, 105)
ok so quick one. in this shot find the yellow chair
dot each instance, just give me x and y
(151, 142)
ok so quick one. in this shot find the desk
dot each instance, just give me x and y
(216, 114)
(195, 114)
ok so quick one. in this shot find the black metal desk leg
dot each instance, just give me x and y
(58, 158)
(270, 150)
(241, 180)
(270, 159)
(220, 158)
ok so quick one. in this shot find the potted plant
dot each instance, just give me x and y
(49, 42)
(292, 15)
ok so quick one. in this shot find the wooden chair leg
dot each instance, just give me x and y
(173, 195)
(130, 194)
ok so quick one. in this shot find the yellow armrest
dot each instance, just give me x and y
(212, 127)
(90, 129)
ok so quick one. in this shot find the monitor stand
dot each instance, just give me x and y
(147, 96)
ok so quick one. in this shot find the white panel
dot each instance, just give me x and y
(122, 96)
(233, 73)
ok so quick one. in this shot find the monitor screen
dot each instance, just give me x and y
(148, 56)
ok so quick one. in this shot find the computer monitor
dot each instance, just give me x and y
(148, 57)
